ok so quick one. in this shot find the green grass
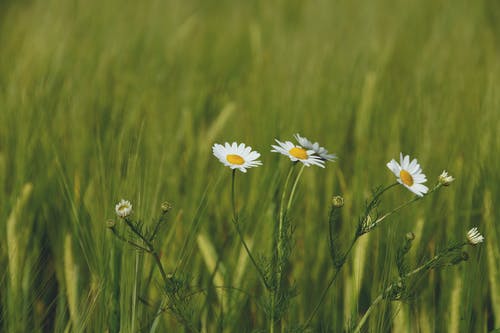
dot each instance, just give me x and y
(104, 100)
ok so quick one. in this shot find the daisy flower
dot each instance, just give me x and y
(298, 153)
(409, 174)
(123, 208)
(320, 151)
(474, 237)
(445, 179)
(236, 156)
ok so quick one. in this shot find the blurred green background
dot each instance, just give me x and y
(103, 100)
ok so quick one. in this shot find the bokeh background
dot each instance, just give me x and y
(103, 100)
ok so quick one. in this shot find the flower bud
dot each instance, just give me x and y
(445, 179)
(410, 236)
(110, 224)
(337, 201)
(165, 206)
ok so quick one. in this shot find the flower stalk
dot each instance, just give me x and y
(397, 286)
(240, 234)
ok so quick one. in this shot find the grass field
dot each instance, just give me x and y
(104, 100)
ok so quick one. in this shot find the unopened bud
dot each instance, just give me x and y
(110, 224)
(410, 236)
(165, 206)
(337, 201)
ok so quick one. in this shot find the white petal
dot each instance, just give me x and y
(420, 188)
(394, 167)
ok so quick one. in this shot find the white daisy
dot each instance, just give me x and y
(474, 237)
(123, 208)
(320, 151)
(409, 174)
(298, 153)
(445, 179)
(236, 156)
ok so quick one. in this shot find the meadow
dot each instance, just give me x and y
(104, 100)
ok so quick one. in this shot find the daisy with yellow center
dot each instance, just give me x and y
(236, 156)
(298, 153)
(320, 151)
(409, 174)
(123, 208)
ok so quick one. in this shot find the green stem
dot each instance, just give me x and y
(240, 234)
(425, 266)
(128, 241)
(367, 313)
(282, 217)
(283, 195)
(172, 297)
(358, 234)
(341, 263)
(278, 243)
(331, 282)
(151, 249)
(386, 215)
(233, 199)
(385, 189)
(294, 187)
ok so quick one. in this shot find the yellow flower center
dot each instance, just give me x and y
(122, 207)
(299, 153)
(406, 178)
(235, 159)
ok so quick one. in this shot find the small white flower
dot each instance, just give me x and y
(445, 179)
(409, 174)
(236, 156)
(123, 208)
(298, 153)
(474, 237)
(320, 151)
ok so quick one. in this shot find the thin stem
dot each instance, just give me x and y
(386, 215)
(292, 192)
(167, 281)
(386, 189)
(424, 266)
(128, 241)
(330, 283)
(240, 234)
(283, 213)
(341, 263)
(252, 259)
(156, 228)
(330, 234)
(283, 195)
(156, 320)
(233, 200)
(151, 249)
(322, 298)
(277, 244)
(358, 234)
(368, 312)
